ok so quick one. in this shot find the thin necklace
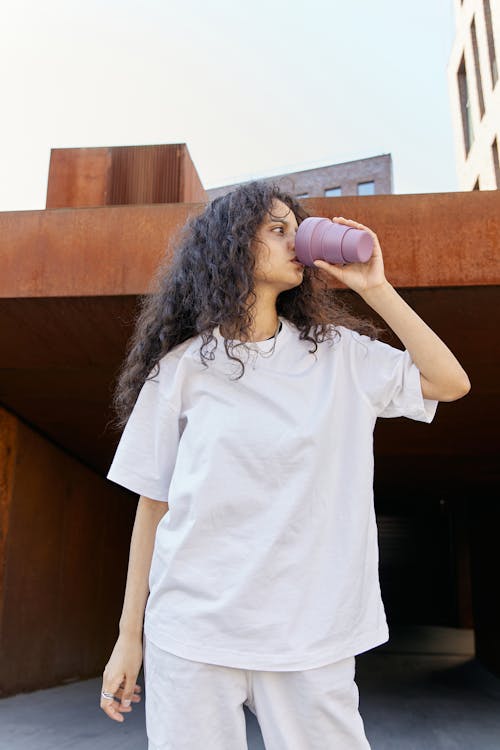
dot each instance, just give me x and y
(258, 351)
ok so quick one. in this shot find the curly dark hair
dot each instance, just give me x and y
(209, 281)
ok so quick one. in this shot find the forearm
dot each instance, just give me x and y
(443, 377)
(148, 515)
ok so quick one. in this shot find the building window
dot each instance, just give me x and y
(491, 42)
(463, 91)
(329, 192)
(302, 195)
(496, 161)
(475, 50)
(366, 188)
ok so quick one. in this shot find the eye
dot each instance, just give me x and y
(278, 228)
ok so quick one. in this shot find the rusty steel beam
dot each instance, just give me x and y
(428, 240)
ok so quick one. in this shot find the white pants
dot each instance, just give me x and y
(191, 705)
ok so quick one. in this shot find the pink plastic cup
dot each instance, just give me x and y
(318, 238)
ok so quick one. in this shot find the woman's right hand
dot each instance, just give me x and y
(119, 677)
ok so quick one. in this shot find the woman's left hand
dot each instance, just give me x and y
(361, 277)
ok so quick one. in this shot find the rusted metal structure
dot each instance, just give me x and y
(71, 275)
(122, 175)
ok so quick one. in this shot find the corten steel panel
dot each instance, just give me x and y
(145, 174)
(65, 563)
(78, 177)
(444, 239)
(57, 366)
(191, 189)
(8, 435)
(431, 239)
(85, 251)
(121, 175)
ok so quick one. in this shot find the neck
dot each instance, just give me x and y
(264, 325)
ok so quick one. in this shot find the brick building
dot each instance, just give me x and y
(370, 176)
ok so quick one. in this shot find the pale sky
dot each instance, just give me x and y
(253, 88)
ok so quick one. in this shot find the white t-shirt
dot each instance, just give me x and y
(267, 557)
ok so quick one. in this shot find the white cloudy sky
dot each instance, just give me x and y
(254, 88)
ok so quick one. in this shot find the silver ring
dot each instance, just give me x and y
(108, 696)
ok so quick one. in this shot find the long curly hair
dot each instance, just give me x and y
(209, 281)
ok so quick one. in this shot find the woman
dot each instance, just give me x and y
(260, 584)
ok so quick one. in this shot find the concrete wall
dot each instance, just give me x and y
(477, 166)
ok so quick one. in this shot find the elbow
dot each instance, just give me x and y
(461, 388)
(450, 389)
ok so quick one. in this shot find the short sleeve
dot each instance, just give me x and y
(145, 457)
(389, 379)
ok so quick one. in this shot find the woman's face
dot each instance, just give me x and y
(274, 259)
